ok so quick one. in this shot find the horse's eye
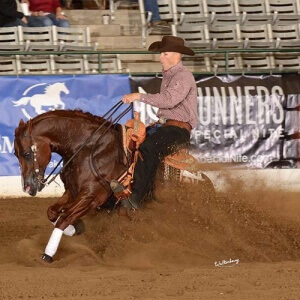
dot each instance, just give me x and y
(26, 154)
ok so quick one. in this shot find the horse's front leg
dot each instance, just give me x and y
(56, 209)
(81, 205)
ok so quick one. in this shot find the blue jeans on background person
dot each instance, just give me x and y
(151, 5)
(49, 20)
(17, 22)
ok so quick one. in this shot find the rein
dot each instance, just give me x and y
(110, 112)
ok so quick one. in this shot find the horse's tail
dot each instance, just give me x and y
(22, 101)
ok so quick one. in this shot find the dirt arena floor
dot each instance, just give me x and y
(187, 245)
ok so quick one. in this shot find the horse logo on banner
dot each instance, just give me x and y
(51, 98)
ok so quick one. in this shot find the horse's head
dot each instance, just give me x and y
(34, 154)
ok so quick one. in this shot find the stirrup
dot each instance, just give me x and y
(116, 186)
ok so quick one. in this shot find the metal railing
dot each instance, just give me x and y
(226, 54)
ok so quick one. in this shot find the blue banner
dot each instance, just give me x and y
(25, 97)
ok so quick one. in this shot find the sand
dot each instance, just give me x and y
(190, 244)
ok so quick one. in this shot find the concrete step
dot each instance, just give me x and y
(111, 30)
(84, 16)
(152, 38)
(102, 30)
(133, 29)
(118, 42)
(124, 42)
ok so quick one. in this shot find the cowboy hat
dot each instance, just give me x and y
(171, 43)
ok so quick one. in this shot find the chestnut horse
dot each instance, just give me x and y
(86, 178)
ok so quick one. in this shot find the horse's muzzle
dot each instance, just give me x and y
(33, 184)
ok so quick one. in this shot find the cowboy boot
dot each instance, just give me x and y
(132, 202)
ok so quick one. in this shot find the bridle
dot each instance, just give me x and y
(35, 164)
(108, 118)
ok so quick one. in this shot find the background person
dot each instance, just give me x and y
(155, 22)
(9, 14)
(46, 13)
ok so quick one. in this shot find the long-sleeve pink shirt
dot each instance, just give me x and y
(177, 99)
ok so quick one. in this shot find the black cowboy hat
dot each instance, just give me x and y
(171, 43)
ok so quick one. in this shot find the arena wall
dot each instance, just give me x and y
(102, 91)
(283, 179)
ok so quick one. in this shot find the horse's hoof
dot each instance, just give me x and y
(79, 227)
(47, 258)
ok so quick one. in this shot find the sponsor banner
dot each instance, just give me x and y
(244, 121)
(28, 96)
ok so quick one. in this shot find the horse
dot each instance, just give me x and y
(92, 151)
(86, 178)
(51, 97)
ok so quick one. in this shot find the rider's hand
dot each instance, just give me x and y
(131, 97)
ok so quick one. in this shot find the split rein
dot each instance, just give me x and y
(109, 114)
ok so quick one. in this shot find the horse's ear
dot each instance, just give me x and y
(20, 127)
(29, 128)
(21, 123)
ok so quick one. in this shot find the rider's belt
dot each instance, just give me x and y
(180, 124)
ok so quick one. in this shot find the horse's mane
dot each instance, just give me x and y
(76, 114)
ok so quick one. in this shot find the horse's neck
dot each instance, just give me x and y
(56, 131)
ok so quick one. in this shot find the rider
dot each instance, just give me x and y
(177, 103)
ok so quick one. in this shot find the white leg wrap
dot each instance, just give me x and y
(54, 241)
(70, 230)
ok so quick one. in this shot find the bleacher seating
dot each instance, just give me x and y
(38, 38)
(195, 35)
(74, 39)
(258, 62)
(8, 66)
(257, 36)
(285, 12)
(52, 39)
(69, 64)
(204, 24)
(11, 39)
(190, 11)
(241, 24)
(35, 65)
(287, 62)
(226, 37)
(223, 12)
(108, 62)
(254, 12)
(218, 63)
(286, 36)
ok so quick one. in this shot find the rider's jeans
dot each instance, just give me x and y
(164, 141)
